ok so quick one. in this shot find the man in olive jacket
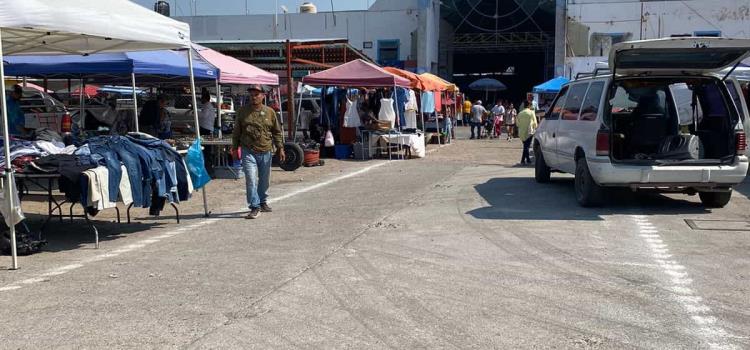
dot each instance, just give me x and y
(256, 132)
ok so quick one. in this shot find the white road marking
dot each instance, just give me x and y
(176, 231)
(680, 280)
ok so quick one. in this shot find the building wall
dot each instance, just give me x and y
(652, 20)
(385, 20)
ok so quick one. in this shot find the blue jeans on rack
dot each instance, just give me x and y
(257, 168)
(112, 162)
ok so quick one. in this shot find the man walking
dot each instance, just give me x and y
(477, 113)
(467, 111)
(256, 132)
(526, 122)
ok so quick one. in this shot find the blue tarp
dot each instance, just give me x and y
(551, 86)
(147, 65)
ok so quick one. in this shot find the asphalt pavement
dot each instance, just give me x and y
(460, 250)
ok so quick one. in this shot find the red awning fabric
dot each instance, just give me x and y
(234, 71)
(354, 74)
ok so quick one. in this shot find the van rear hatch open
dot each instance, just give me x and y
(693, 56)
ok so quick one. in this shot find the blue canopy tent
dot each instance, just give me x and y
(552, 86)
(152, 67)
(149, 67)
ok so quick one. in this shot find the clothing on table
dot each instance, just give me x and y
(45, 134)
(48, 147)
(386, 111)
(95, 189)
(70, 167)
(428, 102)
(526, 124)
(257, 129)
(125, 193)
(351, 116)
(207, 116)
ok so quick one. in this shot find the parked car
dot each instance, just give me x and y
(41, 110)
(664, 120)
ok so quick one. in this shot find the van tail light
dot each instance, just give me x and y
(741, 142)
(66, 124)
(602, 142)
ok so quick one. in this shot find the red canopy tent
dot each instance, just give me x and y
(357, 73)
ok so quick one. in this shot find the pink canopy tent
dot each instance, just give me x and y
(356, 73)
(234, 71)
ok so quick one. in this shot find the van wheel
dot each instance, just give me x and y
(588, 192)
(541, 170)
(715, 199)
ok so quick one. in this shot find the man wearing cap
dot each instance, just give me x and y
(256, 132)
(477, 113)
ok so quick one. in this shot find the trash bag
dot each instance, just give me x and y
(25, 245)
(196, 166)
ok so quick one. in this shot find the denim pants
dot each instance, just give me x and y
(525, 157)
(113, 166)
(257, 168)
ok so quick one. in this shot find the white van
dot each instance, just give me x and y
(664, 119)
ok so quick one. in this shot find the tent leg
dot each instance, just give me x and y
(298, 115)
(219, 101)
(281, 112)
(135, 103)
(7, 165)
(206, 213)
(81, 102)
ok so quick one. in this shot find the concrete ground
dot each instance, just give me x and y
(459, 250)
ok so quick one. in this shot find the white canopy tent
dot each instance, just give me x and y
(80, 27)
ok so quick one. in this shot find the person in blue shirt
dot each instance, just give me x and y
(16, 119)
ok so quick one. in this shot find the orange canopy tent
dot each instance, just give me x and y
(417, 81)
(440, 82)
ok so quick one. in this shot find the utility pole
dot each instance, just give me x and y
(289, 92)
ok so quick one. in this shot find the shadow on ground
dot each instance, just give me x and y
(521, 198)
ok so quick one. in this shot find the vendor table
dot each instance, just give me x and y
(412, 143)
(46, 183)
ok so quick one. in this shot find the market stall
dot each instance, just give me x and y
(232, 72)
(442, 91)
(546, 92)
(389, 104)
(52, 28)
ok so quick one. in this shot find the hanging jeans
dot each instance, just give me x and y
(257, 168)
(113, 165)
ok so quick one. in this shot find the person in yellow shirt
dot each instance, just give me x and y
(467, 111)
(526, 124)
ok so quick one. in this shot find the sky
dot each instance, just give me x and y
(237, 7)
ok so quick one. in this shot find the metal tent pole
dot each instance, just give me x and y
(8, 168)
(437, 120)
(135, 103)
(195, 116)
(298, 115)
(281, 112)
(219, 101)
(82, 110)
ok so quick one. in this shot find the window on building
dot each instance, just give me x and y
(388, 50)
(708, 33)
